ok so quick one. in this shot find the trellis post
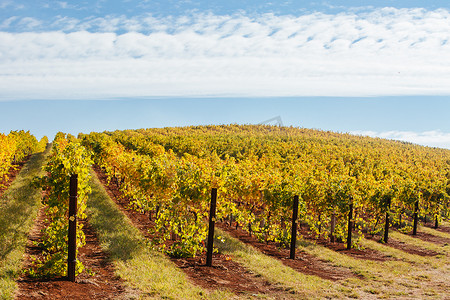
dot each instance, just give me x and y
(72, 237)
(212, 221)
(294, 227)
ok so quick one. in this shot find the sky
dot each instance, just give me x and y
(378, 68)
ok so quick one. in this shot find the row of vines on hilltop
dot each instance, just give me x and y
(169, 172)
(15, 147)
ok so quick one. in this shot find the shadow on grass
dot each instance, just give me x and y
(144, 270)
(119, 237)
(20, 205)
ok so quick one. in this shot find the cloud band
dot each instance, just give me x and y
(380, 52)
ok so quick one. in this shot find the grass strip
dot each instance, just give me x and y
(434, 232)
(18, 210)
(274, 271)
(147, 272)
(442, 250)
(412, 275)
(393, 252)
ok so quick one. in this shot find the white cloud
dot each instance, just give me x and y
(10, 4)
(7, 23)
(5, 4)
(381, 52)
(29, 23)
(434, 138)
(63, 4)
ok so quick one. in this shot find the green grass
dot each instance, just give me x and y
(410, 276)
(19, 206)
(398, 254)
(406, 276)
(417, 242)
(301, 286)
(383, 279)
(147, 273)
(434, 232)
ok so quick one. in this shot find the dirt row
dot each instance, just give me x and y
(97, 281)
(303, 262)
(225, 273)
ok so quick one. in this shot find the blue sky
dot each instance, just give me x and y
(379, 68)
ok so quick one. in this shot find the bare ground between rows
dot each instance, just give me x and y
(371, 254)
(224, 274)
(303, 262)
(400, 245)
(408, 248)
(441, 228)
(431, 238)
(101, 284)
(366, 254)
(427, 237)
(12, 173)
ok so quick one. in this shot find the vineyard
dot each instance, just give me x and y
(352, 195)
(168, 173)
(14, 148)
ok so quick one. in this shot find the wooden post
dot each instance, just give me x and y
(212, 220)
(72, 243)
(386, 225)
(320, 224)
(416, 217)
(349, 228)
(294, 227)
(436, 222)
(333, 226)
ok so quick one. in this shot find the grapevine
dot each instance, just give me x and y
(169, 172)
(68, 157)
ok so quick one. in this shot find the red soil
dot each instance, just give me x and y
(101, 284)
(224, 274)
(303, 262)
